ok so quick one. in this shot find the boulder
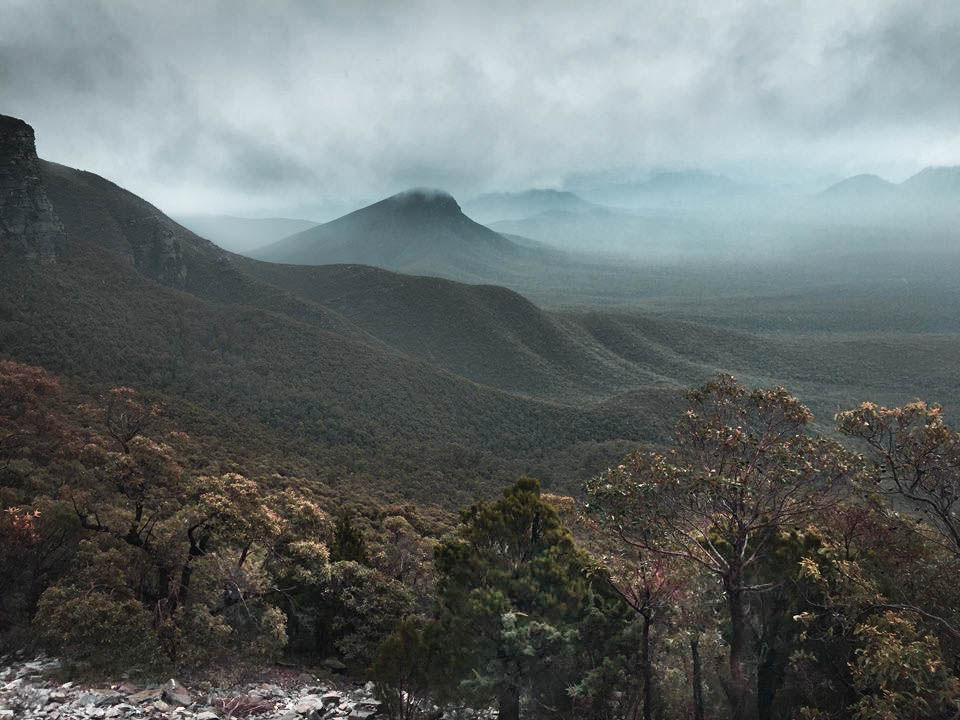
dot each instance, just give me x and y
(310, 706)
(176, 694)
(331, 698)
(145, 696)
(361, 714)
(161, 707)
(334, 665)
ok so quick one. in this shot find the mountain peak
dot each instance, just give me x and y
(935, 180)
(424, 197)
(862, 186)
(420, 231)
(29, 227)
(10, 124)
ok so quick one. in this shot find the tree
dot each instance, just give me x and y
(916, 459)
(406, 668)
(649, 586)
(356, 609)
(402, 553)
(202, 560)
(742, 467)
(868, 647)
(126, 415)
(348, 543)
(511, 588)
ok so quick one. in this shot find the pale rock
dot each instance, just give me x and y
(309, 706)
(331, 698)
(176, 694)
(138, 698)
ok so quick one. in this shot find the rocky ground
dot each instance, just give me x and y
(31, 690)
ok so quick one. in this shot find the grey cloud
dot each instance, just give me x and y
(228, 106)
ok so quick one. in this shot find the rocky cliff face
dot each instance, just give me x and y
(29, 227)
(156, 250)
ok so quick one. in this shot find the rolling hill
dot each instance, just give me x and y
(418, 231)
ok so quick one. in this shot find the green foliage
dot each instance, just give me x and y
(348, 543)
(118, 526)
(899, 673)
(406, 669)
(129, 547)
(512, 590)
(94, 616)
(356, 610)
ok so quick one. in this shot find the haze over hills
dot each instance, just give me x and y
(517, 205)
(860, 187)
(241, 235)
(421, 231)
(935, 183)
(674, 188)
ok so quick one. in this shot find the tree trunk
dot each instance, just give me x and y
(737, 689)
(198, 548)
(767, 683)
(770, 662)
(697, 678)
(509, 701)
(647, 671)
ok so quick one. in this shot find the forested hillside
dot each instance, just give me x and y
(750, 568)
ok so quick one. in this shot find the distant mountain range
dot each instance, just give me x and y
(241, 235)
(420, 231)
(701, 190)
(666, 189)
(517, 205)
(932, 185)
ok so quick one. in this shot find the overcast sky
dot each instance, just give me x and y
(273, 107)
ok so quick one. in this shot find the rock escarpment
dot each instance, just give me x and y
(156, 251)
(29, 227)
